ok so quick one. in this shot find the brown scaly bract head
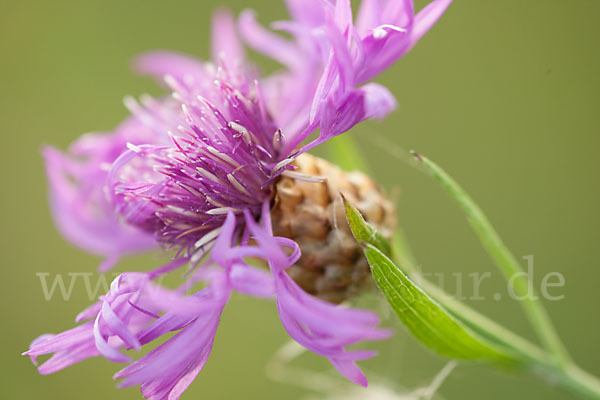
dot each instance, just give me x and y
(332, 266)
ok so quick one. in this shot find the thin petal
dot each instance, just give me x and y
(252, 281)
(350, 370)
(382, 46)
(369, 15)
(310, 12)
(223, 243)
(161, 63)
(343, 14)
(69, 347)
(226, 46)
(379, 101)
(266, 42)
(320, 327)
(426, 18)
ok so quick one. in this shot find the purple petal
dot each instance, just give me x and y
(382, 46)
(266, 42)
(252, 281)
(398, 12)
(223, 243)
(82, 213)
(89, 312)
(426, 18)
(161, 63)
(319, 326)
(310, 12)
(226, 46)
(378, 100)
(69, 347)
(369, 15)
(350, 370)
(343, 14)
(169, 369)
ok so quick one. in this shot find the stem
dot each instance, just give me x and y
(537, 362)
(505, 261)
(580, 381)
(346, 154)
(430, 391)
(569, 376)
(558, 369)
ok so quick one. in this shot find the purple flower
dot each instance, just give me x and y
(78, 200)
(195, 171)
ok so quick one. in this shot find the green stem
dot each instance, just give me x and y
(534, 359)
(537, 362)
(505, 260)
(557, 369)
(345, 153)
(579, 381)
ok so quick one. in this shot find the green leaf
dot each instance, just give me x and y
(453, 329)
(503, 258)
(426, 319)
(362, 231)
(484, 327)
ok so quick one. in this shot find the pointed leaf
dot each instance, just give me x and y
(426, 319)
(504, 259)
(362, 231)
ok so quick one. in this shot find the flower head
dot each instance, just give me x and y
(199, 171)
(221, 155)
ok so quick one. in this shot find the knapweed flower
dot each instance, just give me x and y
(218, 171)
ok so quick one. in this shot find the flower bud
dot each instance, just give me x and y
(310, 211)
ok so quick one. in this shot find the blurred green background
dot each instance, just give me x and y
(503, 94)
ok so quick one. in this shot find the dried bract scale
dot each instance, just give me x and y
(310, 212)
